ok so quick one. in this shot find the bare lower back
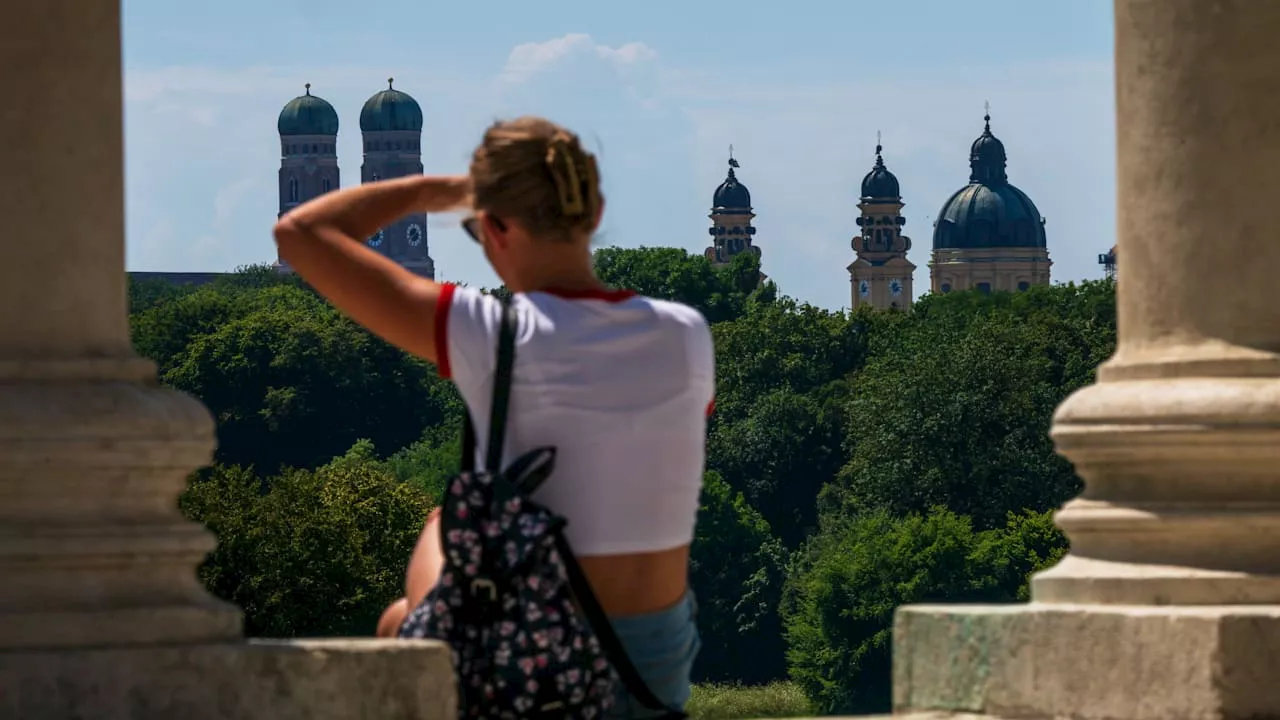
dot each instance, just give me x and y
(638, 583)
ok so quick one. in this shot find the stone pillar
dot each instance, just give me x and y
(1179, 441)
(1168, 605)
(101, 615)
(93, 453)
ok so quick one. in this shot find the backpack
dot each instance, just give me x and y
(528, 637)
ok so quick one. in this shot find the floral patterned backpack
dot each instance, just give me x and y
(529, 638)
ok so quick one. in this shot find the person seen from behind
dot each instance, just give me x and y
(618, 384)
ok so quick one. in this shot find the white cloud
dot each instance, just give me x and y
(530, 59)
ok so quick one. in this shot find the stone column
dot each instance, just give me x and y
(101, 615)
(1179, 441)
(1168, 605)
(93, 453)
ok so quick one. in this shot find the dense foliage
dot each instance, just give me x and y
(856, 461)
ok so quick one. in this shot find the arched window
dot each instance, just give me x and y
(325, 184)
(946, 287)
(984, 288)
(293, 190)
(1024, 285)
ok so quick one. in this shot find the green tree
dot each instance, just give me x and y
(789, 345)
(851, 578)
(954, 410)
(292, 382)
(736, 571)
(720, 293)
(783, 370)
(308, 553)
(781, 455)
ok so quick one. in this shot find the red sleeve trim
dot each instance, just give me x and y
(442, 329)
(711, 407)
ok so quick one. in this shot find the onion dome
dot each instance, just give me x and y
(391, 110)
(308, 115)
(731, 196)
(880, 184)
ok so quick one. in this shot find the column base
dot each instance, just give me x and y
(336, 679)
(1087, 662)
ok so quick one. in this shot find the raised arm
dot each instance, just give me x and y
(323, 241)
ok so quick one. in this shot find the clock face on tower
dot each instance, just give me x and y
(864, 288)
(414, 235)
(895, 287)
(376, 239)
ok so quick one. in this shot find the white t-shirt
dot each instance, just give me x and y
(619, 384)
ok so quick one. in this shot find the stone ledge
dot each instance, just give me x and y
(329, 679)
(1088, 662)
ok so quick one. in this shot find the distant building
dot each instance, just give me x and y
(881, 274)
(988, 235)
(1108, 262)
(731, 230)
(391, 127)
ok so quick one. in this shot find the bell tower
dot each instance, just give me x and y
(308, 127)
(391, 125)
(881, 274)
(731, 229)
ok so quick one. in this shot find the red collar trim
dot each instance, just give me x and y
(606, 295)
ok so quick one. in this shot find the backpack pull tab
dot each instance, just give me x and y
(487, 587)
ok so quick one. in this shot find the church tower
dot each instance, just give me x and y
(308, 127)
(881, 274)
(391, 124)
(731, 229)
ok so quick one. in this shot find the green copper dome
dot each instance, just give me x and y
(989, 212)
(390, 110)
(308, 115)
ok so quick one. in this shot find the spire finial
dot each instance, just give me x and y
(878, 146)
(986, 116)
(308, 86)
(389, 81)
(732, 163)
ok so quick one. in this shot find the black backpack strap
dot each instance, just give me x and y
(613, 648)
(504, 364)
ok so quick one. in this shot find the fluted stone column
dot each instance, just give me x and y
(101, 614)
(93, 453)
(1168, 605)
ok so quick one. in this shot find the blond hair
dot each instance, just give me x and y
(536, 173)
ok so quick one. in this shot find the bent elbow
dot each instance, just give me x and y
(285, 231)
(290, 237)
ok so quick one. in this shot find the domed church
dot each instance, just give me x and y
(391, 126)
(988, 235)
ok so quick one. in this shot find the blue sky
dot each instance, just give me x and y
(660, 89)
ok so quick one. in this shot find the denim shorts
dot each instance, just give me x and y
(662, 646)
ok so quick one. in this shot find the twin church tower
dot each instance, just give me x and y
(391, 124)
(988, 235)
